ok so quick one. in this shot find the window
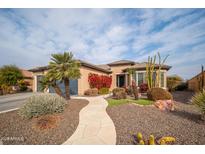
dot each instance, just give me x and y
(162, 79)
(140, 78)
(134, 77)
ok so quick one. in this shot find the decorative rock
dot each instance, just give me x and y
(165, 105)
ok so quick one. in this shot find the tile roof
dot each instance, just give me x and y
(83, 63)
(121, 62)
(142, 66)
(26, 74)
(107, 67)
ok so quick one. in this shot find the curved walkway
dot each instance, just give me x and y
(95, 126)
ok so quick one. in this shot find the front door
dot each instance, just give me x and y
(121, 80)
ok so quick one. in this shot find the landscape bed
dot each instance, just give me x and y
(15, 130)
(184, 123)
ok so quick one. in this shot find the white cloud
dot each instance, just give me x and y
(100, 35)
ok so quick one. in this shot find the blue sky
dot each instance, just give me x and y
(29, 36)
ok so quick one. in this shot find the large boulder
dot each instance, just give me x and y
(165, 105)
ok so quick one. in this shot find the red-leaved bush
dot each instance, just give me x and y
(99, 81)
(143, 87)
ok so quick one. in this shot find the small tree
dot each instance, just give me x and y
(50, 80)
(135, 91)
(173, 82)
(65, 68)
(9, 75)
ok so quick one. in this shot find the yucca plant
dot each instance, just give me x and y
(199, 100)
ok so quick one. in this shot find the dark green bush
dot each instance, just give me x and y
(173, 82)
(22, 85)
(103, 91)
(119, 93)
(182, 86)
(159, 94)
(42, 104)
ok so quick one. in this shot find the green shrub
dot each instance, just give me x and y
(119, 93)
(22, 85)
(91, 92)
(115, 90)
(159, 94)
(173, 82)
(9, 75)
(199, 100)
(103, 91)
(6, 89)
(42, 104)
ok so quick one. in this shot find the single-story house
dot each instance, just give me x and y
(117, 69)
(195, 83)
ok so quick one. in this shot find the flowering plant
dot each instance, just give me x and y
(99, 81)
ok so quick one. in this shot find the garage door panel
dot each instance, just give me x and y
(73, 87)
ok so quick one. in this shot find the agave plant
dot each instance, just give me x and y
(199, 100)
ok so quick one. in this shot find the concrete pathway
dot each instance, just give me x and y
(95, 126)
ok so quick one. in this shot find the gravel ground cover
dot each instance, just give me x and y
(15, 130)
(184, 123)
(183, 96)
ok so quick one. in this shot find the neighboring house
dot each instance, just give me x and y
(117, 69)
(195, 83)
(28, 78)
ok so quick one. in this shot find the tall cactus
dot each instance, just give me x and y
(150, 67)
(161, 63)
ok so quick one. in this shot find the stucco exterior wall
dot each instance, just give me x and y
(117, 70)
(83, 81)
(194, 83)
(30, 81)
(35, 74)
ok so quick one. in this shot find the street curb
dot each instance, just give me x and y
(9, 110)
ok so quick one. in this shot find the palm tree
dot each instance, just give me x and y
(50, 80)
(65, 68)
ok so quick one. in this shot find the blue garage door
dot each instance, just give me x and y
(73, 87)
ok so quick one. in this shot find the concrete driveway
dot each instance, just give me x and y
(12, 101)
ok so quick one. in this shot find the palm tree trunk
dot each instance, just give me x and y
(58, 90)
(67, 88)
